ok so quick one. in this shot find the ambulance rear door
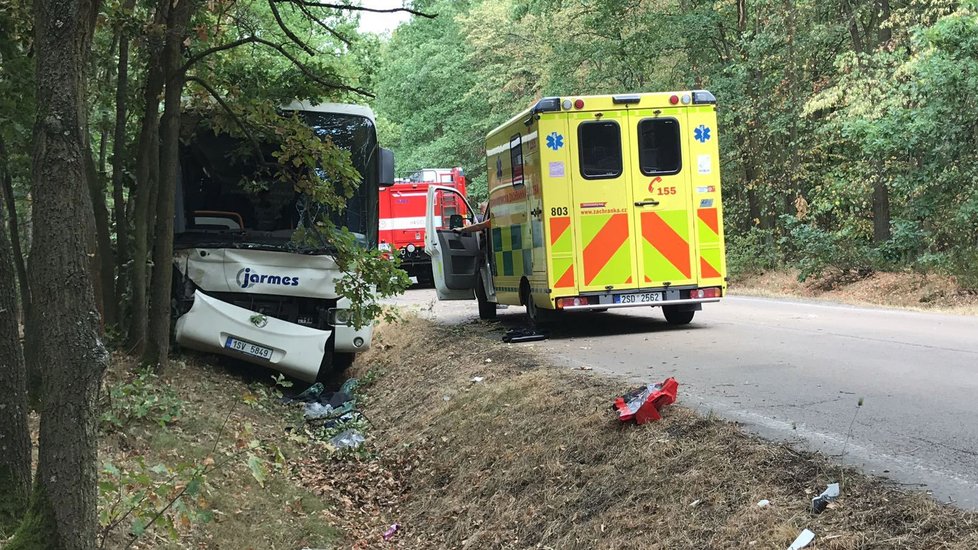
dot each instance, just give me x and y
(601, 205)
(663, 220)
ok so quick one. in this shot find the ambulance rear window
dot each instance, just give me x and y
(658, 146)
(600, 145)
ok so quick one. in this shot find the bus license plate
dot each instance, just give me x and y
(248, 348)
(638, 298)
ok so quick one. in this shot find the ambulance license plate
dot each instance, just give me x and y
(638, 298)
(248, 348)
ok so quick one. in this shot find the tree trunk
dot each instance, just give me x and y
(147, 157)
(158, 344)
(62, 511)
(104, 261)
(17, 253)
(15, 439)
(33, 374)
(118, 163)
(881, 210)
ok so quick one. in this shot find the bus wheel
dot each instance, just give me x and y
(487, 309)
(676, 316)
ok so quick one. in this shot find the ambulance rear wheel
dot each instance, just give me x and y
(537, 315)
(487, 309)
(676, 316)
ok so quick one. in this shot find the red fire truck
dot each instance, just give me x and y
(402, 215)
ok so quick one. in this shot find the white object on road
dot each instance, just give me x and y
(477, 379)
(804, 539)
(764, 503)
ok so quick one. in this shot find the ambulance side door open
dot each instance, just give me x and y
(455, 258)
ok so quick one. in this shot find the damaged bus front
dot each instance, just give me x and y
(243, 286)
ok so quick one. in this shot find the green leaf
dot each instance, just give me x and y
(257, 469)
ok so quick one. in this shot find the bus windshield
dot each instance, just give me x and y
(219, 209)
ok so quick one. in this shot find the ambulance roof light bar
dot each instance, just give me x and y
(703, 97)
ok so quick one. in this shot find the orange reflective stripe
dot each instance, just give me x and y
(567, 279)
(557, 228)
(603, 246)
(707, 271)
(665, 239)
(709, 217)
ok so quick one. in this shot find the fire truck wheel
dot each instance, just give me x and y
(487, 309)
(675, 316)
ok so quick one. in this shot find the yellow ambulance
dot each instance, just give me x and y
(595, 203)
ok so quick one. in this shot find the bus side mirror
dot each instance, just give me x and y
(385, 168)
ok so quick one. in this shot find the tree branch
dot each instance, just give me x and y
(227, 109)
(322, 24)
(288, 32)
(312, 4)
(209, 51)
(255, 40)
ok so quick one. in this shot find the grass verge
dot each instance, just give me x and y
(914, 291)
(531, 456)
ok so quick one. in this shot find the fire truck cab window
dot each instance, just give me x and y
(658, 146)
(600, 149)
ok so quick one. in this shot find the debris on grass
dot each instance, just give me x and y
(315, 411)
(347, 439)
(821, 502)
(803, 540)
(643, 404)
(391, 531)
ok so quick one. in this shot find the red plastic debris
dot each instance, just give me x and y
(643, 404)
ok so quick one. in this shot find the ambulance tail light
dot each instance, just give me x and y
(578, 103)
(674, 100)
(712, 292)
(571, 302)
(703, 97)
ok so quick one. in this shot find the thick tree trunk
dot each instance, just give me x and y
(118, 163)
(147, 159)
(15, 439)
(158, 344)
(62, 512)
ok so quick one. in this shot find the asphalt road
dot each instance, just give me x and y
(796, 370)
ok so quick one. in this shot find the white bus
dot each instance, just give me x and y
(242, 286)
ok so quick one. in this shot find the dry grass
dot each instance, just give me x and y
(531, 457)
(916, 291)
